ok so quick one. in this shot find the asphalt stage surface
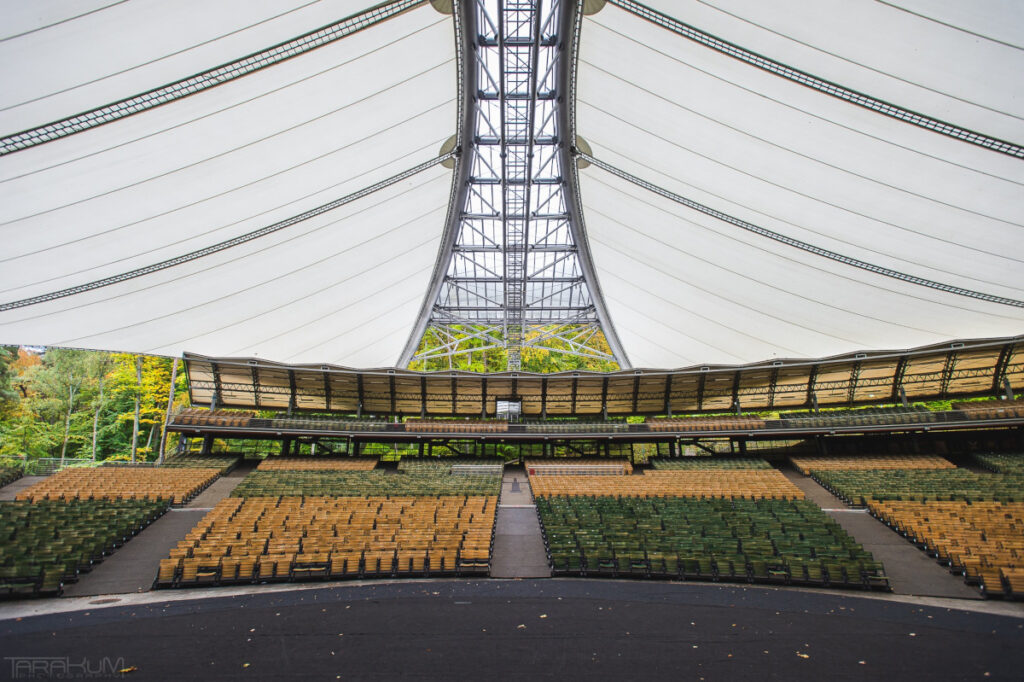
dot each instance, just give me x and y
(528, 629)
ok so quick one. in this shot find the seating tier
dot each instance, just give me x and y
(290, 538)
(360, 483)
(862, 462)
(175, 485)
(45, 544)
(276, 463)
(694, 463)
(751, 484)
(789, 542)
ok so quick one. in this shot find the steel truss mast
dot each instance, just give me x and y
(515, 272)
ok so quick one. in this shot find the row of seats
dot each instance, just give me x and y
(456, 425)
(870, 416)
(288, 538)
(575, 427)
(737, 483)
(858, 487)
(729, 423)
(48, 543)
(984, 541)
(992, 409)
(173, 485)
(691, 463)
(225, 462)
(277, 463)
(199, 417)
(860, 462)
(361, 483)
(578, 466)
(444, 465)
(790, 542)
(1002, 463)
(320, 424)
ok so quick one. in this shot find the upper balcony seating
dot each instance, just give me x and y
(456, 425)
(721, 423)
(992, 409)
(870, 416)
(201, 417)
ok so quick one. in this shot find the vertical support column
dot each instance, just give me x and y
(170, 408)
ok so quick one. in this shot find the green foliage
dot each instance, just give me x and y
(481, 353)
(59, 401)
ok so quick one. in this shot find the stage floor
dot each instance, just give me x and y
(518, 629)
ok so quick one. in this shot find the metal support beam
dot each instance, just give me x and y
(423, 399)
(999, 375)
(544, 398)
(947, 374)
(897, 378)
(736, 392)
(851, 394)
(327, 389)
(255, 372)
(812, 378)
(636, 390)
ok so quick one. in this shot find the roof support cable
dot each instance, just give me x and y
(796, 243)
(204, 80)
(221, 246)
(820, 84)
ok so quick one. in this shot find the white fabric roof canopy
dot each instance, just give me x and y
(345, 287)
(341, 287)
(685, 288)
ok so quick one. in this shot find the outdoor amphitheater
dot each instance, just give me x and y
(567, 339)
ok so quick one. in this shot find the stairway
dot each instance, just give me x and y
(518, 545)
(910, 570)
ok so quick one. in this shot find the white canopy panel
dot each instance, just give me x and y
(685, 288)
(341, 287)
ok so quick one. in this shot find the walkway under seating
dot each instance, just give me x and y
(11, 490)
(518, 544)
(222, 487)
(910, 570)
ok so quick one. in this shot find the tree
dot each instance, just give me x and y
(57, 386)
(152, 393)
